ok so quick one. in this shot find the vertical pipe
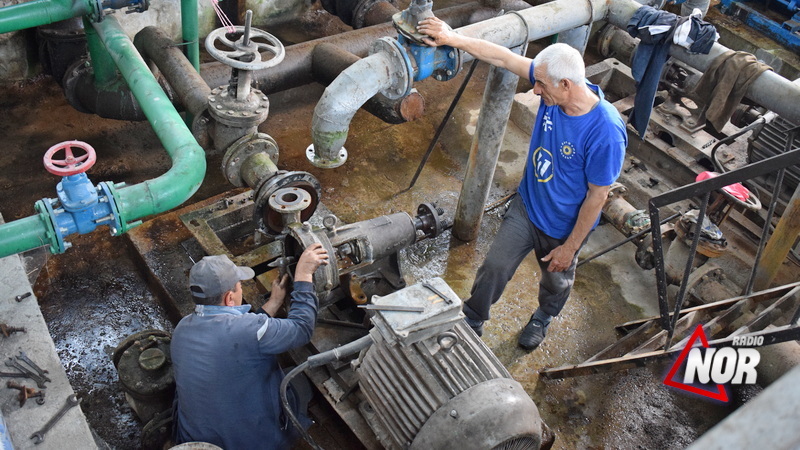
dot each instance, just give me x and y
(486, 144)
(191, 32)
(103, 66)
(781, 241)
(577, 38)
(41, 12)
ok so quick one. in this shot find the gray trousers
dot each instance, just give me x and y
(516, 238)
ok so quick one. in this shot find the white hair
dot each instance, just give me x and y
(562, 63)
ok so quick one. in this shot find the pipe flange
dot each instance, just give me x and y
(268, 220)
(429, 223)
(289, 203)
(324, 163)
(227, 110)
(245, 147)
(403, 77)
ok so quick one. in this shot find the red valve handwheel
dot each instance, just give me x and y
(70, 164)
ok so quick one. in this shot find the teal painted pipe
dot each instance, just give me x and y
(25, 234)
(188, 158)
(143, 199)
(191, 32)
(103, 67)
(42, 12)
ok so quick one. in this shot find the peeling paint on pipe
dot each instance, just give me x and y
(41, 12)
(351, 89)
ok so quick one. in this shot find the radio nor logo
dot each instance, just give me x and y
(707, 370)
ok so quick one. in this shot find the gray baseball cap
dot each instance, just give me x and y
(216, 275)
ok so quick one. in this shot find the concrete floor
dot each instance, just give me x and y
(94, 295)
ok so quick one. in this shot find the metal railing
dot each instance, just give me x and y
(702, 189)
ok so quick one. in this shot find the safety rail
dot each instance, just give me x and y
(702, 189)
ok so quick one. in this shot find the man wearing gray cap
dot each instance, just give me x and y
(225, 358)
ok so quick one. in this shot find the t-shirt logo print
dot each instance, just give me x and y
(543, 162)
(547, 124)
(567, 150)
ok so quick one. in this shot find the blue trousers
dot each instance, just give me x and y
(515, 239)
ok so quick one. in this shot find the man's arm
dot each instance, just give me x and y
(496, 55)
(279, 335)
(561, 257)
(276, 296)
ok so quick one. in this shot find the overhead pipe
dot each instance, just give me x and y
(389, 74)
(132, 202)
(296, 68)
(43, 12)
(361, 13)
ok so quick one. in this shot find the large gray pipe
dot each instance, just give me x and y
(342, 98)
(485, 149)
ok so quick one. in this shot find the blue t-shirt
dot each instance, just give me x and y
(567, 153)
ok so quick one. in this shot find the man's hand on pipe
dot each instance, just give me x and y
(439, 32)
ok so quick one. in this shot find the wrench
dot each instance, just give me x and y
(22, 356)
(72, 401)
(446, 299)
(39, 380)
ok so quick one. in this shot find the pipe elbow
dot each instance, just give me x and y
(342, 98)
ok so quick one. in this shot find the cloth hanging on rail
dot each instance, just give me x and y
(725, 82)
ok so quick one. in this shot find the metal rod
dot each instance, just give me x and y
(442, 125)
(765, 231)
(784, 236)
(661, 275)
(688, 270)
(625, 241)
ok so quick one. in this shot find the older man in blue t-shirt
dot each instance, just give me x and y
(576, 152)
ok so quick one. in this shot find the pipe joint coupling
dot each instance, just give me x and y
(80, 208)
(442, 62)
(402, 77)
(251, 159)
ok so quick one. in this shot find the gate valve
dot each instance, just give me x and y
(81, 207)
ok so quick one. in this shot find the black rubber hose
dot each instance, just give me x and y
(316, 361)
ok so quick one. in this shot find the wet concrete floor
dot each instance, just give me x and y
(93, 296)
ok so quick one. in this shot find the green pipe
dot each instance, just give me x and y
(25, 234)
(188, 158)
(191, 32)
(103, 67)
(42, 12)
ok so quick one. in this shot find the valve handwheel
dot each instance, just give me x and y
(70, 164)
(245, 52)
